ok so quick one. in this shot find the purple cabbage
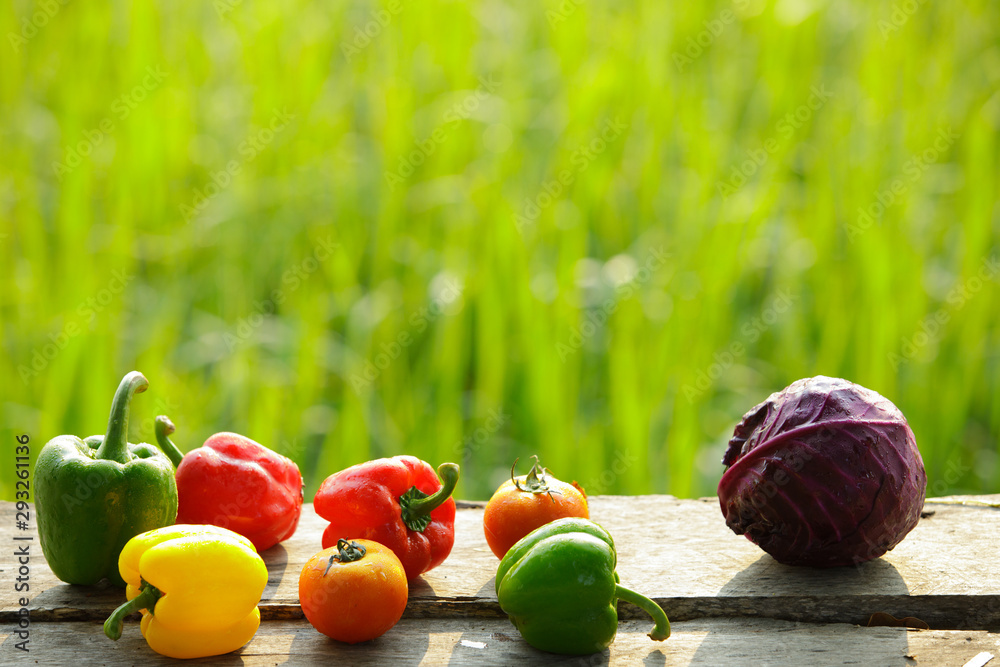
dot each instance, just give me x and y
(823, 473)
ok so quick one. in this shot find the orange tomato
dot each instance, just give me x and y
(354, 591)
(527, 502)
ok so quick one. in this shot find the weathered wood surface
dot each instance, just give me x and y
(482, 642)
(678, 552)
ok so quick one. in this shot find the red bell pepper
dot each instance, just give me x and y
(235, 483)
(398, 502)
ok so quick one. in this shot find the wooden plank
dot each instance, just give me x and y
(679, 552)
(494, 642)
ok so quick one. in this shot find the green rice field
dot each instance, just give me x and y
(475, 231)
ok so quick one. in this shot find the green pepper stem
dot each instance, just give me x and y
(165, 427)
(662, 629)
(115, 445)
(448, 472)
(146, 599)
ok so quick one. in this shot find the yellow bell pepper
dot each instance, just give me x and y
(197, 587)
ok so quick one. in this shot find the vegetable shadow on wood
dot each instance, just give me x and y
(808, 595)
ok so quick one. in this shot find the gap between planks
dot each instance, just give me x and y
(494, 642)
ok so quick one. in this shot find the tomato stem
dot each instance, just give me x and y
(534, 481)
(347, 552)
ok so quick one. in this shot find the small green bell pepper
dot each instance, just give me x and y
(94, 495)
(559, 586)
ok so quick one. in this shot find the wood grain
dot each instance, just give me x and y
(482, 642)
(679, 552)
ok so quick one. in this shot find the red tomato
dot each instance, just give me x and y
(525, 503)
(354, 591)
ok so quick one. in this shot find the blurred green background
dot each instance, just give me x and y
(599, 232)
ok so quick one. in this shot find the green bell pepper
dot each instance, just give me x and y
(559, 586)
(94, 495)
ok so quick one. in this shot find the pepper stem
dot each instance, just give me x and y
(146, 599)
(115, 445)
(416, 507)
(165, 427)
(662, 629)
